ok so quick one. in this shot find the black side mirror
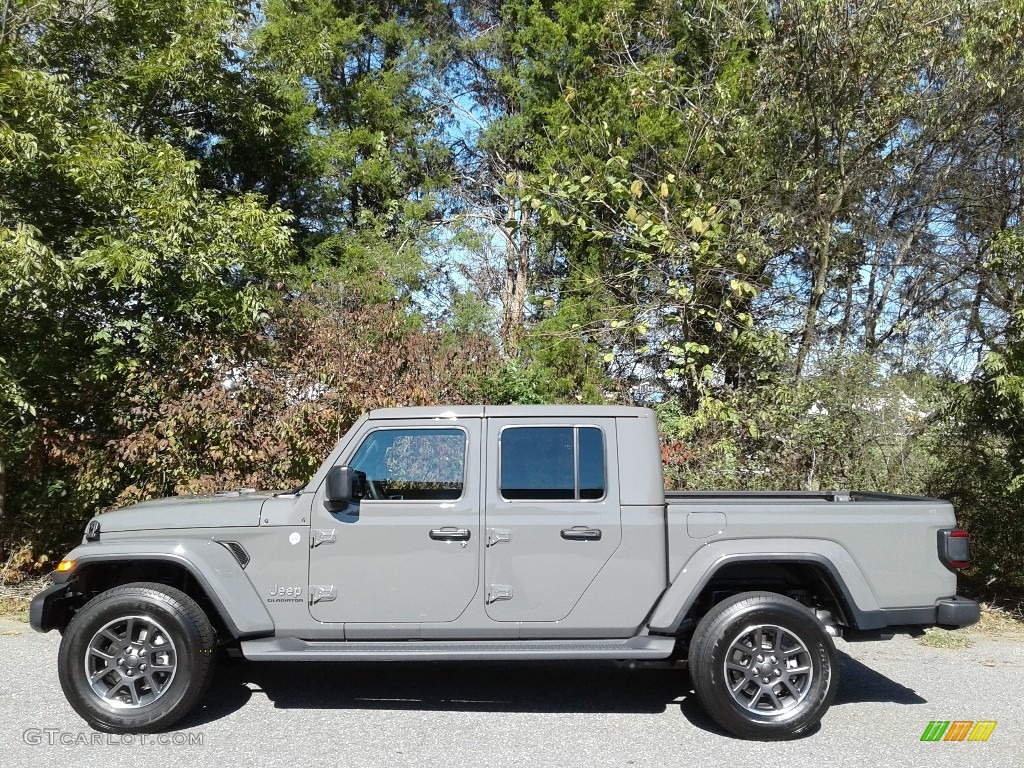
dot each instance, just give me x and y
(345, 484)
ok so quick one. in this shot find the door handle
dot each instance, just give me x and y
(580, 533)
(450, 534)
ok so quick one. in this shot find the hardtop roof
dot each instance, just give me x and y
(511, 411)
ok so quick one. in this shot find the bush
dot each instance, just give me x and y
(260, 414)
(848, 426)
(982, 471)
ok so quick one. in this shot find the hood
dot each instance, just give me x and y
(227, 510)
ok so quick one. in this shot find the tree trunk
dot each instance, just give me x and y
(513, 297)
(819, 279)
(514, 284)
(844, 328)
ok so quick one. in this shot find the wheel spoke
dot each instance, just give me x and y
(741, 649)
(154, 686)
(112, 690)
(100, 674)
(776, 703)
(777, 645)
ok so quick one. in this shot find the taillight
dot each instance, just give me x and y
(955, 548)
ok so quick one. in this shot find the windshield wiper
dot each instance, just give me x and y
(293, 491)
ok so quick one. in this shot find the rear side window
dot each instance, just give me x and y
(552, 463)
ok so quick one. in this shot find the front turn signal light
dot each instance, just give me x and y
(65, 566)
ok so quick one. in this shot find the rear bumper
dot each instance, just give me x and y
(949, 613)
(49, 609)
(955, 612)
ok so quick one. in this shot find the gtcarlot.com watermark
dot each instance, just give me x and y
(55, 737)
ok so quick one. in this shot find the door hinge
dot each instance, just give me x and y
(498, 592)
(498, 535)
(318, 536)
(322, 593)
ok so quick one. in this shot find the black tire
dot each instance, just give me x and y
(156, 634)
(774, 698)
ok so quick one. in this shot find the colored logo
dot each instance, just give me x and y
(958, 730)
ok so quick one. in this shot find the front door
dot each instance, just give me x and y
(552, 515)
(408, 552)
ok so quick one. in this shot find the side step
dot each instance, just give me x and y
(293, 649)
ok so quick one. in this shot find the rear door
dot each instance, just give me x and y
(552, 514)
(409, 552)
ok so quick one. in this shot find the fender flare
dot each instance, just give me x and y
(675, 603)
(209, 563)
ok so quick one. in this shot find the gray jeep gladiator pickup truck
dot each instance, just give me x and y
(517, 532)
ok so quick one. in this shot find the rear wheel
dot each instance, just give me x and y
(136, 658)
(763, 666)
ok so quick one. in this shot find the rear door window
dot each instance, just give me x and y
(552, 463)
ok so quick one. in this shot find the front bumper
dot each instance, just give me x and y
(49, 609)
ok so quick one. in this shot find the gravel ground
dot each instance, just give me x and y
(526, 714)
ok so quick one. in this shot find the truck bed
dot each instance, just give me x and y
(885, 545)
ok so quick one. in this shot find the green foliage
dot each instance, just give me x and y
(848, 426)
(469, 316)
(983, 483)
(631, 108)
(565, 357)
(352, 131)
(509, 384)
(983, 468)
(111, 250)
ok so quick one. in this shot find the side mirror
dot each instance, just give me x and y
(345, 484)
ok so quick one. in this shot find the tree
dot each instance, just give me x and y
(636, 107)
(111, 251)
(878, 114)
(355, 150)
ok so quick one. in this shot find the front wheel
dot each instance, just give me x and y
(763, 666)
(136, 658)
